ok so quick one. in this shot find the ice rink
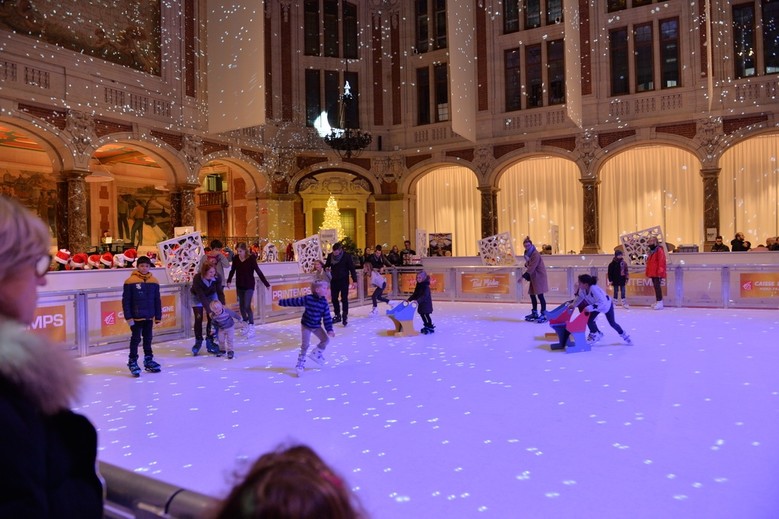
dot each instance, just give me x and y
(480, 419)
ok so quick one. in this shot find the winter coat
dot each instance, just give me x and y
(141, 297)
(618, 272)
(378, 261)
(225, 320)
(595, 298)
(204, 292)
(341, 268)
(655, 263)
(244, 273)
(221, 263)
(317, 310)
(423, 297)
(534, 266)
(48, 452)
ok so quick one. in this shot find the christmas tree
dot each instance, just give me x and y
(333, 218)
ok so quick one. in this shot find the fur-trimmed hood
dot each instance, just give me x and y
(43, 372)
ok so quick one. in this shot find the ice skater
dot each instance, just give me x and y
(618, 276)
(597, 302)
(223, 319)
(424, 301)
(377, 281)
(535, 275)
(142, 307)
(315, 315)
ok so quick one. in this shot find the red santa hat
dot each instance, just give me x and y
(107, 259)
(119, 260)
(93, 261)
(62, 256)
(79, 260)
(130, 255)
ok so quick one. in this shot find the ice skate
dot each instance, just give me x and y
(150, 365)
(431, 328)
(343, 321)
(300, 368)
(594, 337)
(135, 369)
(317, 355)
(627, 339)
(532, 316)
(375, 311)
(196, 347)
(542, 318)
(249, 331)
(625, 304)
(658, 305)
(212, 347)
(230, 354)
(336, 318)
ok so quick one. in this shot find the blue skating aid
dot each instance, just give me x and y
(402, 316)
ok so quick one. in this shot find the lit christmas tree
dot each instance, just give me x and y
(333, 218)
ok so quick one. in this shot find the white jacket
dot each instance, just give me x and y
(378, 280)
(597, 300)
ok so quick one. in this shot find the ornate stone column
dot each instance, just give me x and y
(188, 204)
(489, 211)
(710, 178)
(78, 235)
(591, 217)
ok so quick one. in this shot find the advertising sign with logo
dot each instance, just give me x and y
(169, 313)
(759, 284)
(641, 286)
(49, 322)
(408, 280)
(286, 290)
(112, 321)
(483, 283)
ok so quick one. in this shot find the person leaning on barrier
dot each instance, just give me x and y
(719, 246)
(48, 452)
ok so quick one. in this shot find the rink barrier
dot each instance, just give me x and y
(87, 318)
(132, 495)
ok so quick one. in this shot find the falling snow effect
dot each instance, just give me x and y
(480, 419)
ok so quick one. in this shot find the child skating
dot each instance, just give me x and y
(377, 281)
(142, 307)
(618, 276)
(223, 320)
(315, 315)
(424, 301)
(597, 302)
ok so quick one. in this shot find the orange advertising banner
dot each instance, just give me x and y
(408, 280)
(169, 313)
(112, 321)
(231, 299)
(49, 322)
(287, 290)
(485, 283)
(759, 284)
(370, 288)
(641, 286)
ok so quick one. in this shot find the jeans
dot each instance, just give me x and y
(617, 290)
(245, 304)
(141, 328)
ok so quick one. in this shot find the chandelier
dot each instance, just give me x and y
(348, 142)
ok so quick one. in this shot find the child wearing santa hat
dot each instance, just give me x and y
(61, 259)
(106, 260)
(79, 261)
(93, 262)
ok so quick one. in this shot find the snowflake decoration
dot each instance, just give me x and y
(635, 245)
(497, 250)
(308, 251)
(181, 256)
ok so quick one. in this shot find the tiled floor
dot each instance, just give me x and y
(480, 419)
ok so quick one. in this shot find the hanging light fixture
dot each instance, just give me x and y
(348, 142)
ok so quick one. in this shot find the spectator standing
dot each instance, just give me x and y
(394, 256)
(737, 244)
(618, 276)
(407, 253)
(48, 452)
(656, 269)
(378, 260)
(719, 246)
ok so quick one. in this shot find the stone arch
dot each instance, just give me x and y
(637, 141)
(410, 180)
(47, 135)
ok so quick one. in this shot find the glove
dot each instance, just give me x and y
(157, 323)
(526, 276)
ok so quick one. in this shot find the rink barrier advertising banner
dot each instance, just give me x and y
(485, 283)
(759, 284)
(49, 322)
(408, 280)
(112, 321)
(287, 290)
(641, 286)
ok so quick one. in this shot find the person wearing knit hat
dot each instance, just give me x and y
(78, 261)
(93, 262)
(107, 260)
(142, 307)
(62, 258)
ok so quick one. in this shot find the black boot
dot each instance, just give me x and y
(212, 347)
(196, 347)
(337, 319)
(150, 365)
(135, 369)
(343, 321)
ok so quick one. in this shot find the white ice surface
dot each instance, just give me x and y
(480, 419)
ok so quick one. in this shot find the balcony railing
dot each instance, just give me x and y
(212, 199)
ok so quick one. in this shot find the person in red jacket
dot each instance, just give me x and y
(656, 269)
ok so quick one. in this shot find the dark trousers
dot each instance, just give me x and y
(141, 328)
(378, 296)
(340, 289)
(609, 317)
(656, 282)
(426, 320)
(245, 304)
(534, 299)
(618, 289)
(198, 311)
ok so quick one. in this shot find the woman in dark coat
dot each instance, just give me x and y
(48, 452)
(424, 300)
(205, 288)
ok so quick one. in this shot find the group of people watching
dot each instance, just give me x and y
(394, 258)
(740, 244)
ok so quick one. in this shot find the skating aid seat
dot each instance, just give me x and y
(402, 316)
(577, 327)
(558, 319)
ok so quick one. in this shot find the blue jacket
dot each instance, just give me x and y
(225, 320)
(141, 297)
(317, 310)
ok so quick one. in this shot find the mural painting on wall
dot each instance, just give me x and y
(143, 216)
(440, 243)
(125, 32)
(36, 191)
